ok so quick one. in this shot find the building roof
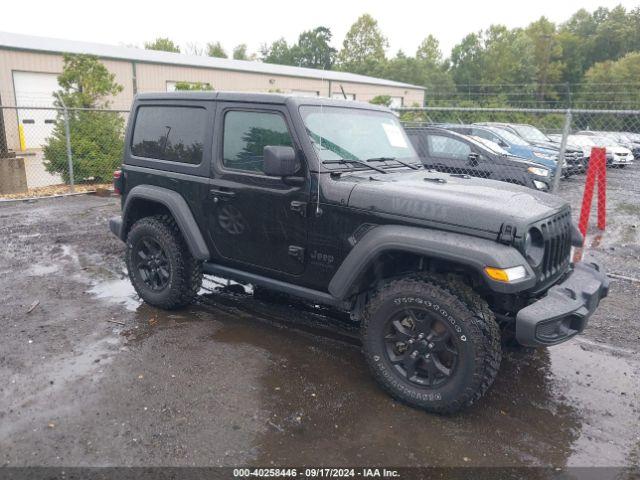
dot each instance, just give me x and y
(17, 41)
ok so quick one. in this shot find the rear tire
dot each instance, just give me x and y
(424, 315)
(161, 267)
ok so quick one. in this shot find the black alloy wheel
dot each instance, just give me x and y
(421, 347)
(152, 263)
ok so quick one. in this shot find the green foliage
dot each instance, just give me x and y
(623, 71)
(162, 43)
(240, 52)
(429, 51)
(279, 52)
(363, 49)
(96, 137)
(193, 86)
(85, 82)
(312, 50)
(96, 145)
(381, 100)
(215, 50)
(547, 57)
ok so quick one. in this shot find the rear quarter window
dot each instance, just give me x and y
(171, 133)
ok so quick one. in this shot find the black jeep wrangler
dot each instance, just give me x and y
(327, 201)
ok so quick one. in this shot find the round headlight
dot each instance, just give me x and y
(534, 246)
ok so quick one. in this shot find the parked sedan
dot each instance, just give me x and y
(620, 138)
(617, 155)
(447, 151)
(586, 143)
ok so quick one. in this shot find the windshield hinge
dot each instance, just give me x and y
(507, 234)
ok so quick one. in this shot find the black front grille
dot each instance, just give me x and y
(556, 232)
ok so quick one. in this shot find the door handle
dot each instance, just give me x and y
(219, 194)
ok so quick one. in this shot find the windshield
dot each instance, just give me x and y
(604, 142)
(493, 146)
(509, 137)
(531, 133)
(634, 137)
(581, 140)
(356, 134)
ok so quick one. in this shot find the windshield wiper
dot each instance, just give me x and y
(394, 159)
(345, 161)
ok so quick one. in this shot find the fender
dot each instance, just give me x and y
(473, 252)
(178, 208)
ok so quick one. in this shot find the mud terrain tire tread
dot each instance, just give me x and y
(187, 274)
(479, 322)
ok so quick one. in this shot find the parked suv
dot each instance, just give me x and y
(327, 201)
(574, 159)
(447, 151)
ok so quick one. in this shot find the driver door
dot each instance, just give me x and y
(256, 220)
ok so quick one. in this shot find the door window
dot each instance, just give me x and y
(447, 147)
(247, 133)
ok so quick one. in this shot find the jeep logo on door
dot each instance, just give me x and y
(321, 258)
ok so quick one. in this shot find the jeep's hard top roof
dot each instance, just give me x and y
(271, 98)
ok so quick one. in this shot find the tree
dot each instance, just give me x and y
(240, 52)
(85, 83)
(163, 44)
(489, 63)
(598, 36)
(96, 136)
(363, 49)
(467, 58)
(215, 50)
(547, 54)
(279, 53)
(429, 51)
(623, 71)
(313, 49)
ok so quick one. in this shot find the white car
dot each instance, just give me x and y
(617, 155)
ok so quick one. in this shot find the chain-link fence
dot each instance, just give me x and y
(51, 151)
(538, 148)
(45, 151)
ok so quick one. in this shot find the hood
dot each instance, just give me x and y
(619, 150)
(556, 147)
(454, 202)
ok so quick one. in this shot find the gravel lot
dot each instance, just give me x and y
(92, 377)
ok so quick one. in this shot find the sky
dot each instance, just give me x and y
(405, 23)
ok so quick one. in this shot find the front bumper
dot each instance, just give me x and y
(564, 311)
(628, 160)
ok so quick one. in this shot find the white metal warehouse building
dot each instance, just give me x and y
(29, 67)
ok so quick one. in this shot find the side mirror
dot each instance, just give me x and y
(280, 161)
(473, 158)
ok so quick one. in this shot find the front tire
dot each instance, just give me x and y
(161, 267)
(429, 347)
